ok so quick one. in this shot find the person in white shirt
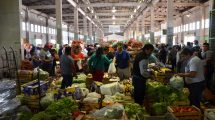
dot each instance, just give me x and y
(194, 76)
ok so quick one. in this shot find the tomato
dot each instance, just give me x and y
(76, 114)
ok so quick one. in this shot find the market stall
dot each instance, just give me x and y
(42, 98)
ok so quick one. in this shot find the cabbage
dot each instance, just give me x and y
(177, 82)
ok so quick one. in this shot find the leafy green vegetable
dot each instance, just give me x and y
(25, 116)
(159, 108)
(132, 109)
(61, 109)
(80, 79)
(157, 92)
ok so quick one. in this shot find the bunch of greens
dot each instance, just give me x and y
(61, 109)
(132, 109)
(162, 96)
(81, 78)
(164, 93)
(157, 91)
(159, 108)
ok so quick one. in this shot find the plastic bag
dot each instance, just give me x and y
(9, 105)
(108, 100)
(111, 89)
(47, 100)
(177, 82)
(84, 91)
(9, 94)
(91, 100)
(94, 95)
(79, 64)
(111, 112)
(112, 68)
(7, 84)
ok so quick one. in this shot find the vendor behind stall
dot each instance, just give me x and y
(194, 76)
(46, 59)
(140, 73)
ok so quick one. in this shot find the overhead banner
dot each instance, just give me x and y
(114, 28)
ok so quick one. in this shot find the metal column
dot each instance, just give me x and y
(90, 31)
(76, 30)
(85, 28)
(47, 30)
(143, 27)
(202, 25)
(152, 25)
(59, 21)
(182, 31)
(170, 10)
(27, 28)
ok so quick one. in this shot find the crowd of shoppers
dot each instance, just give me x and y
(193, 62)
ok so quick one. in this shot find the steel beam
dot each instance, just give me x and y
(180, 4)
(124, 4)
(117, 19)
(49, 6)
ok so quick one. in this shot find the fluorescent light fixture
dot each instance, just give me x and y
(138, 7)
(88, 18)
(21, 13)
(72, 3)
(88, 8)
(81, 11)
(113, 10)
(135, 10)
(114, 23)
(92, 11)
(113, 17)
(188, 15)
(95, 17)
(131, 16)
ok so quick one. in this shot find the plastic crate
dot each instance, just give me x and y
(31, 88)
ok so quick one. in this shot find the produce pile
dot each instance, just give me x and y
(133, 109)
(183, 109)
(60, 110)
(111, 99)
(160, 96)
(81, 78)
(43, 75)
